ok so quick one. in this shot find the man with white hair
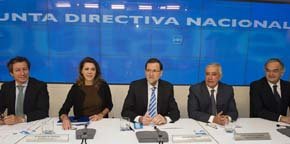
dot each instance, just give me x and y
(211, 100)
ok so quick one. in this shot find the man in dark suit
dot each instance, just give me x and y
(211, 100)
(151, 100)
(25, 98)
(270, 96)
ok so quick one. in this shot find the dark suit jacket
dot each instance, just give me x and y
(137, 100)
(263, 103)
(199, 103)
(36, 101)
(76, 97)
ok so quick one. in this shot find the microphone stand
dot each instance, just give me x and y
(287, 127)
(160, 138)
(84, 135)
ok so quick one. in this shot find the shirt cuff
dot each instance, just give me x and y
(168, 119)
(136, 119)
(211, 119)
(25, 118)
(279, 119)
(230, 118)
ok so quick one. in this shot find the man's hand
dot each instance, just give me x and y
(12, 119)
(159, 120)
(285, 119)
(2, 122)
(145, 120)
(221, 119)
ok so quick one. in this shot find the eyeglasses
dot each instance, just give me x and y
(153, 71)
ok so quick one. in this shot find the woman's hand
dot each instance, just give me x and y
(66, 125)
(96, 117)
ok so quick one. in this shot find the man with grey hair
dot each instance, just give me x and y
(270, 95)
(211, 100)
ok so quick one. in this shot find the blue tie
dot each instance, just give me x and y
(153, 104)
(20, 101)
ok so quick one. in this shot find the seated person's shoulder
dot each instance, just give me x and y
(165, 82)
(138, 82)
(196, 85)
(7, 84)
(104, 82)
(257, 82)
(227, 85)
(35, 81)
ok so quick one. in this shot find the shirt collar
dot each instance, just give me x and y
(25, 84)
(271, 84)
(151, 86)
(215, 88)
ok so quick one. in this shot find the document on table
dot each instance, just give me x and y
(252, 136)
(14, 133)
(20, 126)
(47, 138)
(190, 138)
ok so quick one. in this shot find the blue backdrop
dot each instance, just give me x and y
(122, 35)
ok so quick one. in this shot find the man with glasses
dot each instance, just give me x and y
(151, 100)
(25, 98)
(270, 96)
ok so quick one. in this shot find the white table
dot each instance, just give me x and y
(108, 131)
(249, 125)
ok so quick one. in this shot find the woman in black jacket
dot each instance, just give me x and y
(90, 96)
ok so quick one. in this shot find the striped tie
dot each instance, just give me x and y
(20, 101)
(153, 104)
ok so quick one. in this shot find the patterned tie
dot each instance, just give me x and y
(153, 104)
(20, 101)
(213, 105)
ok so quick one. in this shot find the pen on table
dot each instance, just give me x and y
(131, 128)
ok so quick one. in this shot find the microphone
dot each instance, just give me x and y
(278, 125)
(86, 133)
(159, 139)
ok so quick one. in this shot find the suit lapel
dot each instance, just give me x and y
(160, 93)
(144, 94)
(219, 95)
(268, 91)
(284, 90)
(206, 96)
(12, 97)
(28, 93)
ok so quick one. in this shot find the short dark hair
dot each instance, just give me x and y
(154, 60)
(17, 59)
(275, 60)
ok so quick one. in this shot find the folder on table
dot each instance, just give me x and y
(77, 120)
